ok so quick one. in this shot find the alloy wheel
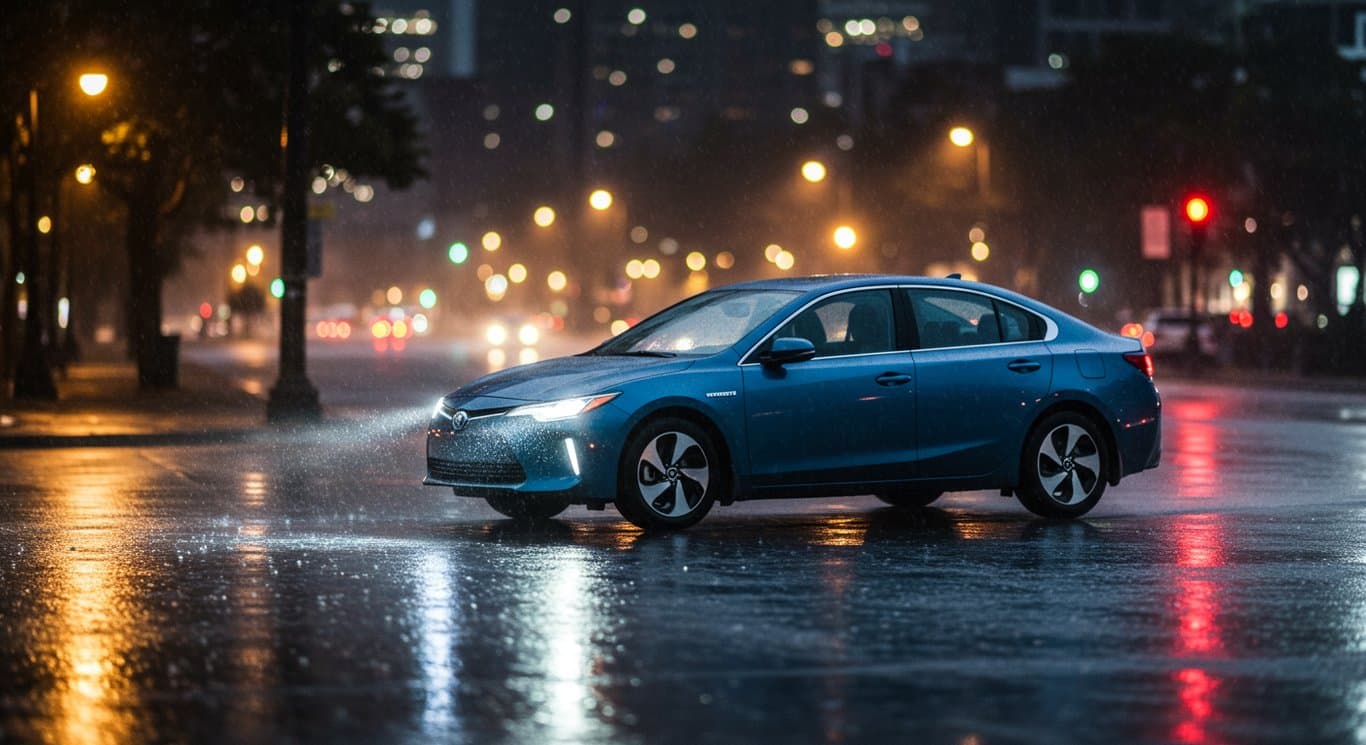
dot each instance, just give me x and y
(1069, 464)
(673, 474)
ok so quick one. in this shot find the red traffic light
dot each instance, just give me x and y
(1197, 210)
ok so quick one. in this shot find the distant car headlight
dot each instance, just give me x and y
(497, 334)
(528, 335)
(567, 408)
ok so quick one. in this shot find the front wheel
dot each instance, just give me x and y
(1064, 467)
(669, 475)
(530, 508)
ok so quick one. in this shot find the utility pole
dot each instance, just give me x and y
(294, 398)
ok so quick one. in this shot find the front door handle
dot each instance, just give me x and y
(1024, 366)
(893, 378)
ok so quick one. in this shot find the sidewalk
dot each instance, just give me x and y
(99, 404)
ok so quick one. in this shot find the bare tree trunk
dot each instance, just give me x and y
(144, 280)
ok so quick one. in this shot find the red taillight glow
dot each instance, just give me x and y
(1132, 330)
(1141, 360)
(1282, 320)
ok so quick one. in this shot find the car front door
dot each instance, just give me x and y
(846, 416)
(983, 372)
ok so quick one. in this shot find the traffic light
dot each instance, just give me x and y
(1197, 210)
(1088, 281)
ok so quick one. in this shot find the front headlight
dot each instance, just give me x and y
(441, 409)
(567, 408)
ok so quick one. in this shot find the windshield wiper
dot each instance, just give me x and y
(640, 353)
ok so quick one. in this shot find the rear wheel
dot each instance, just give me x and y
(909, 497)
(527, 507)
(1064, 467)
(670, 473)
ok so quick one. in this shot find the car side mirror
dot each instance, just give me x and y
(786, 350)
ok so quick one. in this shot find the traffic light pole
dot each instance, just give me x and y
(294, 398)
(1193, 336)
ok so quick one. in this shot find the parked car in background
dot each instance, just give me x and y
(1170, 329)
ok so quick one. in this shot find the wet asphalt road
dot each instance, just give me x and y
(309, 590)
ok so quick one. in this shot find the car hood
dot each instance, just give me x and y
(565, 377)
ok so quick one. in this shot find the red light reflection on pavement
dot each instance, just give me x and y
(1194, 443)
(1199, 547)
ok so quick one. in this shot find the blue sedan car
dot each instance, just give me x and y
(902, 387)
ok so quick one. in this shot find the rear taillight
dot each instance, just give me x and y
(1141, 360)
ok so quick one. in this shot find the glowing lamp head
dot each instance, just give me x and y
(93, 83)
(961, 136)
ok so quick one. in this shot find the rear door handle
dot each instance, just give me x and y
(893, 378)
(1024, 366)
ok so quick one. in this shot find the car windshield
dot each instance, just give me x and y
(701, 325)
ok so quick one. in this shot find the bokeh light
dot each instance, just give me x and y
(491, 241)
(544, 216)
(845, 237)
(813, 171)
(696, 261)
(556, 281)
(600, 199)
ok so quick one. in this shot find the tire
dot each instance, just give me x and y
(1063, 467)
(669, 475)
(909, 498)
(528, 508)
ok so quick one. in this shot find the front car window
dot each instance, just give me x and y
(848, 323)
(701, 325)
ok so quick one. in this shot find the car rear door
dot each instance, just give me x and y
(982, 373)
(846, 416)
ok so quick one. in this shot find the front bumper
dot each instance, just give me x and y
(496, 454)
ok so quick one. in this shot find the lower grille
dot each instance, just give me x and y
(476, 473)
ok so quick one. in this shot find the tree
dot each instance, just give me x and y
(198, 90)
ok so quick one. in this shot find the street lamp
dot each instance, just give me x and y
(962, 137)
(94, 83)
(813, 171)
(33, 374)
(85, 174)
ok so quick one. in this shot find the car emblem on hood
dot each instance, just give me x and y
(460, 419)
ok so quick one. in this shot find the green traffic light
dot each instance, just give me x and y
(459, 253)
(1235, 278)
(1089, 281)
(277, 288)
(427, 299)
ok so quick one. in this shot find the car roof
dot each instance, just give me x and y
(841, 281)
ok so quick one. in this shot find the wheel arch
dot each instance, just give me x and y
(1091, 412)
(701, 419)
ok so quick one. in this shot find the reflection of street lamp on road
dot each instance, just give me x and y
(33, 375)
(963, 137)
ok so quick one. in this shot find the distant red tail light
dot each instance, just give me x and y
(1141, 360)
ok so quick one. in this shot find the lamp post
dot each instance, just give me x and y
(294, 397)
(33, 374)
(964, 137)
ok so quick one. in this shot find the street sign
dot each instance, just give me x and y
(1157, 232)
